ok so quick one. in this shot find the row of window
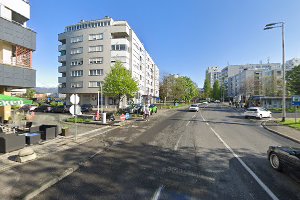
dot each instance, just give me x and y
(92, 37)
(92, 72)
(87, 25)
(96, 60)
(92, 84)
(79, 50)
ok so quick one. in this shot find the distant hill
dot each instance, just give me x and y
(46, 90)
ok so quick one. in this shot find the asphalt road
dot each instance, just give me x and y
(211, 154)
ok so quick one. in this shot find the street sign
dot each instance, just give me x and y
(75, 110)
(122, 117)
(74, 99)
(296, 100)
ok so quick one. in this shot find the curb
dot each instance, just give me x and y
(278, 133)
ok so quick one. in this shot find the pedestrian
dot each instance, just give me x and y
(146, 113)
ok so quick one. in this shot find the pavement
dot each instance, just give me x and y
(282, 130)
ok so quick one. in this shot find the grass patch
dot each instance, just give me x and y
(291, 123)
(289, 110)
(78, 120)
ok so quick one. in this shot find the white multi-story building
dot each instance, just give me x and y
(17, 43)
(214, 74)
(88, 49)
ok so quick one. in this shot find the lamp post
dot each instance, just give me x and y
(281, 25)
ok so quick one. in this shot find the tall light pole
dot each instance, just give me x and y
(281, 25)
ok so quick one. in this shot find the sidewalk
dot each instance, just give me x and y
(56, 159)
(282, 130)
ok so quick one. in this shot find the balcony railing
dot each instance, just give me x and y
(13, 61)
(26, 1)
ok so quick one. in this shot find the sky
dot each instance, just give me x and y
(182, 36)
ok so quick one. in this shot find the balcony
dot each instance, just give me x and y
(121, 31)
(62, 58)
(62, 69)
(62, 79)
(17, 77)
(62, 47)
(17, 34)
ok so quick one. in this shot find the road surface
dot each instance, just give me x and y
(211, 154)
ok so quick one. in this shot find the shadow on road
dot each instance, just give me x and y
(129, 171)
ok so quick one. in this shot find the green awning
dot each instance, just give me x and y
(13, 101)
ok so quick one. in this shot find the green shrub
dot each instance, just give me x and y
(78, 120)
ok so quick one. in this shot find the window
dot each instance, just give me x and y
(94, 84)
(77, 73)
(76, 62)
(77, 85)
(119, 47)
(98, 60)
(96, 48)
(96, 72)
(76, 39)
(76, 51)
(96, 36)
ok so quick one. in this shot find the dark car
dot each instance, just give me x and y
(153, 108)
(59, 109)
(86, 107)
(43, 108)
(284, 158)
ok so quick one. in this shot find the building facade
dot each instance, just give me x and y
(250, 79)
(214, 74)
(17, 42)
(89, 49)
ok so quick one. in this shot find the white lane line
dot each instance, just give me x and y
(268, 191)
(188, 123)
(194, 116)
(157, 193)
(177, 143)
(207, 124)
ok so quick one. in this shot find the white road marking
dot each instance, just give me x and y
(188, 123)
(207, 124)
(177, 143)
(194, 116)
(268, 191)
(157, 193)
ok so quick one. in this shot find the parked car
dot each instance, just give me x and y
(284, 158)
(43, 108)
(257, 112)
(217, 101)
(59, 109)
(153, 108)
(28, 108)
(86, 107)
(194, 107)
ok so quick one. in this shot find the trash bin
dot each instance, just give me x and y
(103, 117)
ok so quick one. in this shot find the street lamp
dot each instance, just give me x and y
(281, 25)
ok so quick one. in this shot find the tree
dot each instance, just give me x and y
(190, 89)
(30, 93)
(119, 83)
(293, 80)
(216, 92)
(207, 87)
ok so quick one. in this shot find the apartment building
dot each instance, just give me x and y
(88, 49)
(17, 42)
(214, 74)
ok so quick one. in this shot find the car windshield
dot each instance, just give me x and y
(252, 109)
(194, 105)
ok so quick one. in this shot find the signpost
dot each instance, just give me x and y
(296, 103)
(75, 110)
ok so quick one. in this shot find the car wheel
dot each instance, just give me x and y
(275, 162)
(260, 117)
(270, 116)
(246, 117)
(155, 111)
